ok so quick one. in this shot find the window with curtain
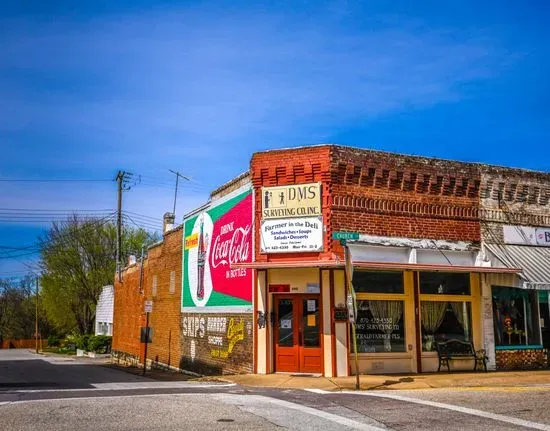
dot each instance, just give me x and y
(444, 320)
(380, 326)
(515, 316)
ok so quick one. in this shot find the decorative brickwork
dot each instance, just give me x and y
(528, 359)
(405, 196)
(217, 343)
(513, 197)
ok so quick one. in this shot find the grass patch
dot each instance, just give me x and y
(60, 350)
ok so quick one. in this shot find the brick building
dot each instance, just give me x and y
(437, 250)
(417, 256)
(515, 229)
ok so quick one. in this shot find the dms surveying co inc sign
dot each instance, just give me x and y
(291, 219)
(213, 240)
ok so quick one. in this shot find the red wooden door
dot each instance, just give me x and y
(287, 354)
(311, 353)
(298, 334)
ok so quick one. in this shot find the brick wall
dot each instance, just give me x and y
(406, 196)
(217, 343)
(127, 314)
(528, 359)
(163, 268)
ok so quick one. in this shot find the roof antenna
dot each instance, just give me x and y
(178, 176)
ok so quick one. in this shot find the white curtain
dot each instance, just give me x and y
(460, 310)
(432, 314)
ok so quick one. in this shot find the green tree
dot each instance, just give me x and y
(78, 259)
(18, 310)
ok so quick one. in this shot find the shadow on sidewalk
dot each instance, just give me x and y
(155, 374)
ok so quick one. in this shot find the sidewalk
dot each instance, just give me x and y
(480, 380)
(396, 382)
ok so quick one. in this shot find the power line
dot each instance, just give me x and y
(57, 180)
(141, 215)
(141, 224)
(53, 211)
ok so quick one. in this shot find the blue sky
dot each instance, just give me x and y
(198, 86)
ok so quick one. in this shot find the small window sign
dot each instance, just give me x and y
(313, 288)
(341, 314)
(286, 324)
(148, 306)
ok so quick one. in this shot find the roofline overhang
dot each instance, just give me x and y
(372, 265)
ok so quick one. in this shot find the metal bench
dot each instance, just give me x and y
(456, 349)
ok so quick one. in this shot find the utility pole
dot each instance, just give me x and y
(178, 175)
(36, 315)
(146, 342)
(121, 179)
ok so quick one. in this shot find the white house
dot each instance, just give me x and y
(104, 312)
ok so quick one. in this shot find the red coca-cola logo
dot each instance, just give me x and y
(232, 244)
(235, 249)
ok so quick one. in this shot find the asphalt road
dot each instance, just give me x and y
(38, 393)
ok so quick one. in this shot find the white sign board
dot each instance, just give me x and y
(526, 235)
(543, 236)
(148, 306)
(292, 235)
(296, 200)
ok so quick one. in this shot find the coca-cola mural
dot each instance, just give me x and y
(214, 240)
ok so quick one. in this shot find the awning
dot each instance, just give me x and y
(426, 267)
(388, 266)
(289, 264)
(534, 262)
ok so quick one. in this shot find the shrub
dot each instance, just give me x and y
(82, 341)
(53, 340)
(99, 343)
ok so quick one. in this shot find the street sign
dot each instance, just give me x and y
(345, 235)
(148, 306)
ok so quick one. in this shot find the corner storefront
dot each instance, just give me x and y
(416, 255)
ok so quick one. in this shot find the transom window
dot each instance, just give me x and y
(444, 283)
(378, 282)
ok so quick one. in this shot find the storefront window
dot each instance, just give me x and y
(380, 326)
(515, 317)
(444, 283)
(544, 311)
(442, 321)
(378, 282)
